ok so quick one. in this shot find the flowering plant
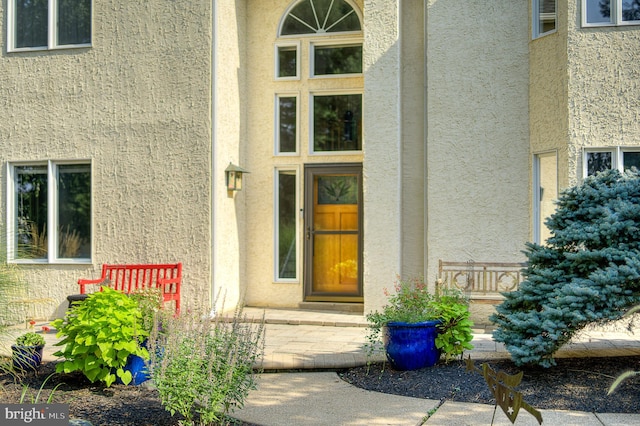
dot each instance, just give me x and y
(412, 303)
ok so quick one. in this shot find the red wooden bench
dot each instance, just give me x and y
(129, 278)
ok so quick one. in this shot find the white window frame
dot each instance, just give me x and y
(276, 214)
(535, 20)
(276, 56)
(615, 19)
(52, 27)
(617, 156)
(52, 212)
(276, 120)
(327, 43)
(311, 126)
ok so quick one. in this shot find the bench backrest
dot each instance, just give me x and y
(129, 278)
(480, 279)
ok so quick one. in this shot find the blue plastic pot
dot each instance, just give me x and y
(138, 368)
(410, 346)
(26, 358)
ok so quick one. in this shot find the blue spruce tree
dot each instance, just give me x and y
(587, 272)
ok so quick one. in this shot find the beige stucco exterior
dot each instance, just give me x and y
(170, 93)
(137, 106)
(477, 133)
(583, 90)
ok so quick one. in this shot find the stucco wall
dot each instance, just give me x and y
(383, 154)
(583, 90)
(229, 141)
(603, 81)
(477, 132)
(135, 105)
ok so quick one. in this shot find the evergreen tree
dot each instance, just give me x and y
(587, 272)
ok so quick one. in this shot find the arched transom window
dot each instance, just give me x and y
(320, 16)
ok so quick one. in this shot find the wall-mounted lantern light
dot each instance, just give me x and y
(233, 175)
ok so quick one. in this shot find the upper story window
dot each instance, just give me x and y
(49, 212)
(48, 24)
(610, 12)
(544, 17)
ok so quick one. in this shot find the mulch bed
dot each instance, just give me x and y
(574, 384)
(579, 384)
(117, 405)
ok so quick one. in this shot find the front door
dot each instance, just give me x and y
(333, 232)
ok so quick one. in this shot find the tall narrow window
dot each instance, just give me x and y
(74, 211)
(286, 225)
(544, 17)
(30, 24)
(546, 176)
(31, 212)
(51, 212)
(287, 125)
(337, 123)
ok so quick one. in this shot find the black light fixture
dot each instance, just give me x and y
(233, 175)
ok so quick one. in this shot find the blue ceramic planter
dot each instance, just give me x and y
(410, 346)
(26, 358)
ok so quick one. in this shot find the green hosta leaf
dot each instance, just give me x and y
(81, 349)
(125, 376)
(109, 379)
(90, 362)
(130, 346)
(110, 356)
(92, 373)
(105, 347)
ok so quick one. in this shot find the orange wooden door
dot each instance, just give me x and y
(333, 236)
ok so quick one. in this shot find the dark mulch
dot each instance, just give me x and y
(117, 405)
(574, 384)
(579, 384)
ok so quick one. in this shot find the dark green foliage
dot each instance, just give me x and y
(587, 272)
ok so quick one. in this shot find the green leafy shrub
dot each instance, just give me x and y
(99, 335)
(454, 331)
(205, 366)
(412, 302)
(588, 272)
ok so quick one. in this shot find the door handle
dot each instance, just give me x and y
(308, 233)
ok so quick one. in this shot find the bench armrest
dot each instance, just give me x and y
(164, 281)
(83, 282)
